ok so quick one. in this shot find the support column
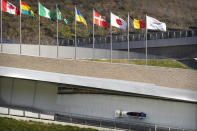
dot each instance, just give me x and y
(34, 95)
(155, 127)
(0, 87)
(11, 92)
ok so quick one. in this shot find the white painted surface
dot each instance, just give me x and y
(4, 110)
(31, 50)
(11, 48)
(47, 117)
(67, 52)
(16, 112)
(31, 114)
(48, 51)
(162, 112)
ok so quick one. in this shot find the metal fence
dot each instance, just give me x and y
(132, 37)
(116, 123)
(118, 38)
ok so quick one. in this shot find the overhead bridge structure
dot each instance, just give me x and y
(173, 44)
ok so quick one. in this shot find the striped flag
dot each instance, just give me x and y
(79, 17)
(137, 24)
(26, 10)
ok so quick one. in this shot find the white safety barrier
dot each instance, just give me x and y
(47, 117)
(31, 114)
(15, 112)
(4, 110)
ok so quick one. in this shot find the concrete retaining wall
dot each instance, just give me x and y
(64, 51)
(162, 112)
(69, 52)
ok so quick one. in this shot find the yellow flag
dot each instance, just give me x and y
(136, 24)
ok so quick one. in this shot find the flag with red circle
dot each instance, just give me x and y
(99, 20)
(9, 8)
(118, 22)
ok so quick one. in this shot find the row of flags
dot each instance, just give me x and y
(116, 21)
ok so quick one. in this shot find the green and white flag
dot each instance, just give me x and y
(60, 16)
(45, 12)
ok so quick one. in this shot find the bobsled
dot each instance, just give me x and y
(120, 113)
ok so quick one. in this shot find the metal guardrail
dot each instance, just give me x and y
(132, 37)
(118, 123)
(119, 38)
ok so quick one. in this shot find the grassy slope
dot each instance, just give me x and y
(161, 63)
(179, 14)
(8, 124)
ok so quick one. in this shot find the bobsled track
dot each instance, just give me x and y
(89, 93)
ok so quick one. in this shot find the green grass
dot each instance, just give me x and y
(161, 63)
(8, 124)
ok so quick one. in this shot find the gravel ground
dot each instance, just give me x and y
(169, 77)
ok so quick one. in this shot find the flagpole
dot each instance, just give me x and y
(20, 30)
(57, 35)
(1, 29)
(75, 34)
(39, 25)
(128, 40)
(146, 41)
(93, 50)
(110, 40)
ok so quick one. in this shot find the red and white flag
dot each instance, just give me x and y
(99, 20)
(118, 22)
(9, 8)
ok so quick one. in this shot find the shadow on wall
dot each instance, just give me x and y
(190, 62)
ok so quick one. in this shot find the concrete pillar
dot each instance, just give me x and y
(192, 33)
(11, 92)
(180, 34)
(186, 33)
(156, 36)
(0, 86)
(34, 93)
